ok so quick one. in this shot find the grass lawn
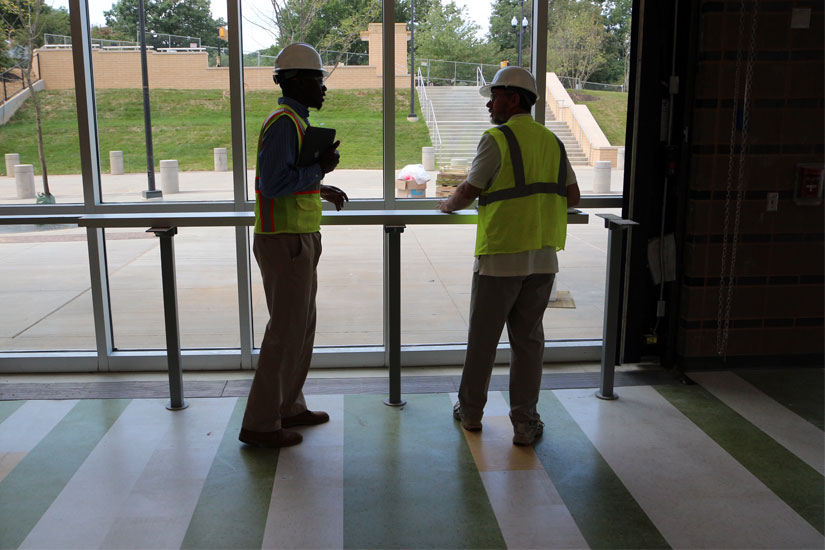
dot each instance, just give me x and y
(608, 108)
(188, 124)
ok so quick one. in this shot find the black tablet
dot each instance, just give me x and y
(317, 139)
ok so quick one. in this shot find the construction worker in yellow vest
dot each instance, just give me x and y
(287, 247)
(524, 185)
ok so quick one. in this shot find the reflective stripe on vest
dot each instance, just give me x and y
(525, 208)
(521, 188)
(299, 212)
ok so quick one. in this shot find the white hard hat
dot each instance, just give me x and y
(299, 56)
(511, 77)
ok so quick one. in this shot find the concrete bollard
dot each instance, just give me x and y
(116, 162)
(169, 176)
(601, 177)
(24, 178)
(12, 159)
(221, 160)
(428, 158)
(620, 159)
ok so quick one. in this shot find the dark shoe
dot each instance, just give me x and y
(306, 418)
(525, 433)
(466, 424)
(280, 438)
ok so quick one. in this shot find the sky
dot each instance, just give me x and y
(257, 11)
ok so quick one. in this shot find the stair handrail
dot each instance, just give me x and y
(427, 109)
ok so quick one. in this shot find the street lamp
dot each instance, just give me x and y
(521, 29)
(412, 117)
(151, 192)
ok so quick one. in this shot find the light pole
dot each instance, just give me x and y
(522, 28)
(151, 192)
(412, 117)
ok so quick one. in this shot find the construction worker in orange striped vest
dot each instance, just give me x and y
(287, 247)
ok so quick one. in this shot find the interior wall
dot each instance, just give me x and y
(776, 299)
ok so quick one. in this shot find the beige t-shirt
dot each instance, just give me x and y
(483, 172)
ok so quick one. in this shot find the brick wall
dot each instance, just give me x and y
(777, 300)
(185, 71)
(190, 71)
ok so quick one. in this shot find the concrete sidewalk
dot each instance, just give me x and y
(45, 276)
(217, 186)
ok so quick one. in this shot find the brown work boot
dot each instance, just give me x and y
(276, 439)
(306, 418)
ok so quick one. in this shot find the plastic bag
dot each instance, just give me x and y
(414, 172)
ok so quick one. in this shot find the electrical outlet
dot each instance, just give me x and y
(773, 202)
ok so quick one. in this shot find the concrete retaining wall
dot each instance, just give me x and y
(8, 108)
(581, 122)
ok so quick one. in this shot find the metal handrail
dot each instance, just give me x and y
(19, 83)
(427, 110)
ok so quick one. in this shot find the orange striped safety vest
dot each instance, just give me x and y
(299, 212)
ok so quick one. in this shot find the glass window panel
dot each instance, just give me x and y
(453, 52)
(206, 288)
(53, 103)
(436, 273)
(586, 95)
(189, 107)
(45, 297)
(437, 268)
(350, 288)
(578, 311)
(353, 101)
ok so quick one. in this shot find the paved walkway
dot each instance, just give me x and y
(45, 276)
(213, 186)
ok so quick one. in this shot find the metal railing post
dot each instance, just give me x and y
(170, 315)
(616, 229)
(392, 311)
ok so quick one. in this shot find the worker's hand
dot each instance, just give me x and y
(442, 205)
(334, 195)
(330, 158)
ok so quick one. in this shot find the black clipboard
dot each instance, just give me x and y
(316, 140)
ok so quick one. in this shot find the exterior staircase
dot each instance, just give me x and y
(457, 116)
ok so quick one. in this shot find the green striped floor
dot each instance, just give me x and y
(735, 461)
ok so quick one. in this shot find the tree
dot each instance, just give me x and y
(24, 22)
(616, 48)
(502, 33)
(332, 25)
(52, 21)
(446, 32)
(422, 7)
(575, 37)
(326, 24)
(175, 17)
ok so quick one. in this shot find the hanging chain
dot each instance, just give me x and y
(726, 281)
(721, 333)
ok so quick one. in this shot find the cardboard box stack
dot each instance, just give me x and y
(410, 189)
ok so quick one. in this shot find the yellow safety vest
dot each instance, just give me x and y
(299, 212)
(525, 208)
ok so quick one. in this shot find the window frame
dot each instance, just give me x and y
(106, 358)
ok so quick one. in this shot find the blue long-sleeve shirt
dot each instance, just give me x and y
(278, 171)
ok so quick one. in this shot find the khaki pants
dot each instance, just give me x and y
(288, 265)
(518, 302)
